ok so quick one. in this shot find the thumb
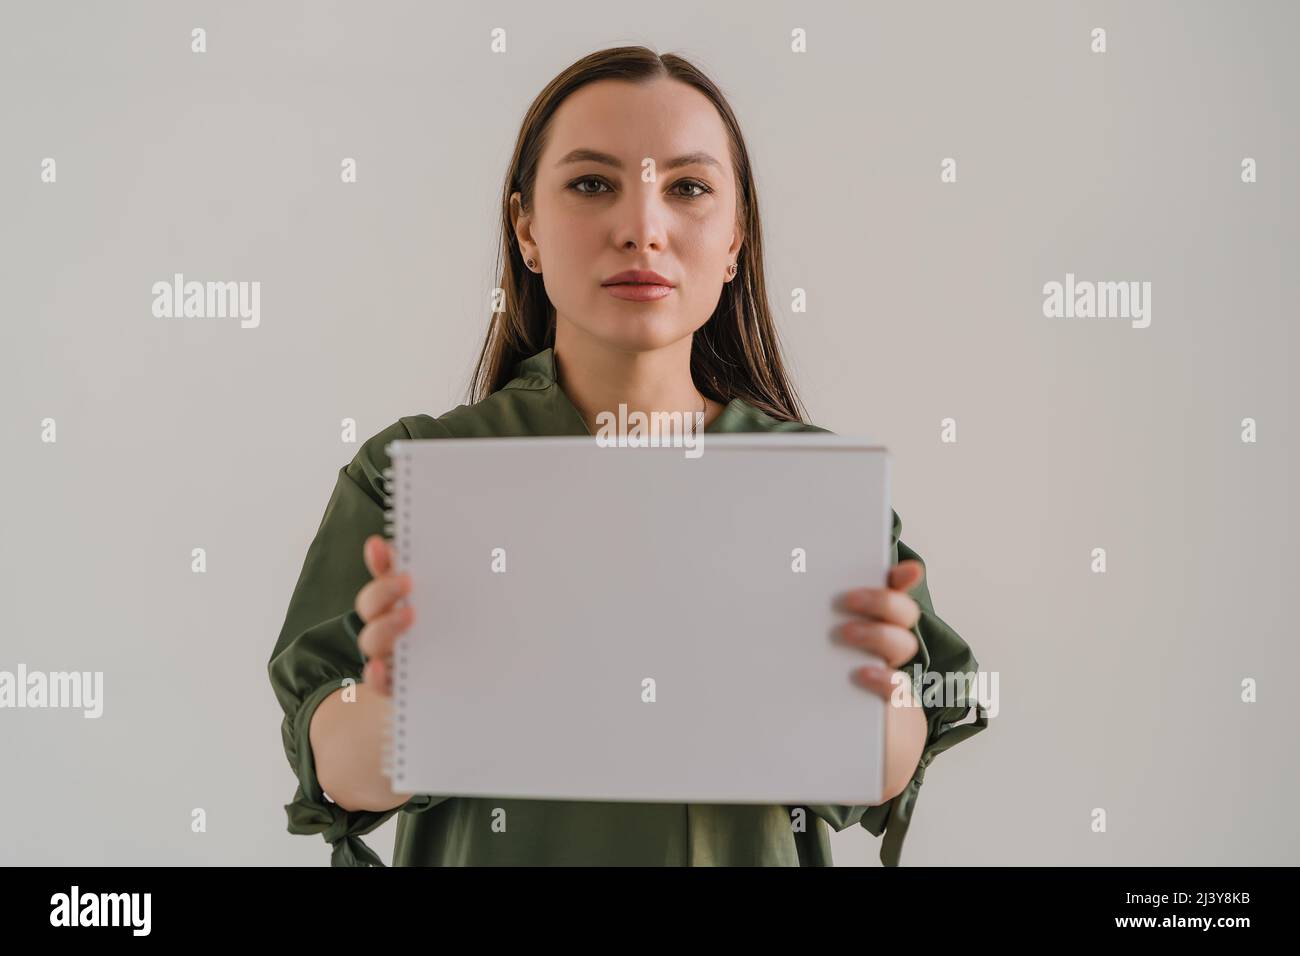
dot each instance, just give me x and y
(378, 555)
(906, 575)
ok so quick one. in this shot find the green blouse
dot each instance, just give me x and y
(317, 649)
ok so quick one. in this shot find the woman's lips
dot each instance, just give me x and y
(636, 292)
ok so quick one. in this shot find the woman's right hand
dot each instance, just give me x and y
(384, 622)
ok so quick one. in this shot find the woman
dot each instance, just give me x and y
(632, 273)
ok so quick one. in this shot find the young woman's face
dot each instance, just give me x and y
(638, 206)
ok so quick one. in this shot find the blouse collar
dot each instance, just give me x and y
(538, 371)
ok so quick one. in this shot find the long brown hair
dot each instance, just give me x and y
(735, 354)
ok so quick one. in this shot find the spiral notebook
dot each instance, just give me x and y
(631, 623)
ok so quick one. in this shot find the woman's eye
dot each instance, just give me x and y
(586, 179)
(703, 189)
(687, 183)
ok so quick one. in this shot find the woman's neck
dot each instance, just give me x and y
(597, 378)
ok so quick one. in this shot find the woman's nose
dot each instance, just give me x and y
(641, 218)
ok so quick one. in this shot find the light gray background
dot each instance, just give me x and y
(1118, 691)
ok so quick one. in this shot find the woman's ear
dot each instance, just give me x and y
(737, 240)
(521, 222)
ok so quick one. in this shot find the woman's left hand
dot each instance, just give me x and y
(883, 627)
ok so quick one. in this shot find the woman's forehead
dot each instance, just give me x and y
(628, 122)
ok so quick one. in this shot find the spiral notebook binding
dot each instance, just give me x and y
(396, 504)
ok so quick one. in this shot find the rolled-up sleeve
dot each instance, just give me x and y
(943, 651)
(316, 652)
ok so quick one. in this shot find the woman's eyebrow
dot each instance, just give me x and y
(596, 156)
